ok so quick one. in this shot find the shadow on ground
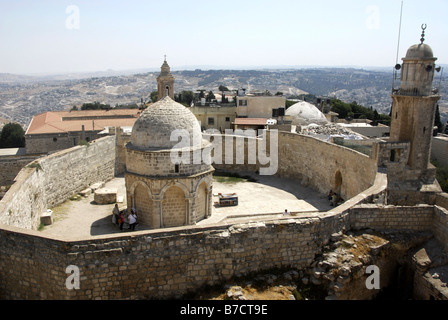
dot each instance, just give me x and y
(105, 226)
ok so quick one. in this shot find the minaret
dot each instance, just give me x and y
(413, 112)
(414, 104)
(165, 82)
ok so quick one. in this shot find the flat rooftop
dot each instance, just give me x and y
(264, 199)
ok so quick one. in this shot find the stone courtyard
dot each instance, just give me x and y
(265, 199)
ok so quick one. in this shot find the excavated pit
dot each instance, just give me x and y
(339, 272)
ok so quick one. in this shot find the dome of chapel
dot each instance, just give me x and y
(155, 125)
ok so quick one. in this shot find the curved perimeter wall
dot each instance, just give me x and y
(53, 179)
(312, 162)
(171, 262)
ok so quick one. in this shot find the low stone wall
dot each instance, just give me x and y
(167, 264)
(418, 218)
(440, 225)
(442, 200)
(154, 264)
(51, 180)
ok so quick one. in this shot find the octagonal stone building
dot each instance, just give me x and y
(167, 181)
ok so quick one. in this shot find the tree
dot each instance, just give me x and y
(154, 96)
(223, 88)
(210, 96)
(201, 93)
(95, 106)
(185, 97)
(12, 136)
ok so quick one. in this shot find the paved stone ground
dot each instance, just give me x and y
(265, 199)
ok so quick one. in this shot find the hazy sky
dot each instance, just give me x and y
(95, 35)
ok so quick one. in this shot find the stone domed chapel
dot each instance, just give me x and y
(164, 193)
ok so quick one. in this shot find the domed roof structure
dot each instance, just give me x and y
(155, 125)
(419, 52)
(304, 113)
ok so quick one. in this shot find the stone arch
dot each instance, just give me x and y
(174, 183)
(174, 207)
(201, 201)
(142, 201)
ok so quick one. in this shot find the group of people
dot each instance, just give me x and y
(118, 218)
(334, 198)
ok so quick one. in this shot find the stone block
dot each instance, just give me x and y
(96, 186)
(105, 196)
(46, 218)
(85, 192)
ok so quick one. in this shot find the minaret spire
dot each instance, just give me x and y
(422, 39)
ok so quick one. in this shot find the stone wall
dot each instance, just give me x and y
(70, 171)
(440, 225)
(172, 262)
(345, 171)
(417, 218)
(153, 264)
(51, 180)
(442, 200)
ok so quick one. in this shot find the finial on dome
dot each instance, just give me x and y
(422, 39)
(165, 57)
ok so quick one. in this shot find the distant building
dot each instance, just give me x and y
(260, 106)
(218, 117)
(57, 130)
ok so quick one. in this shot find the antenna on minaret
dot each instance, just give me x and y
(399, 32)
(397, 66)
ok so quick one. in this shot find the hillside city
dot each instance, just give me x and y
(22, 97)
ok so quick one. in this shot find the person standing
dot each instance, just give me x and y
(121, 220)
(132, 220)
(115, 214)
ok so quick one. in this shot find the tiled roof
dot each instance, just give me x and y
(66, 121)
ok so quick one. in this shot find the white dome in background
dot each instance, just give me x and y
(304, 113)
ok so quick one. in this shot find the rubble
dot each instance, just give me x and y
(330, 129)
